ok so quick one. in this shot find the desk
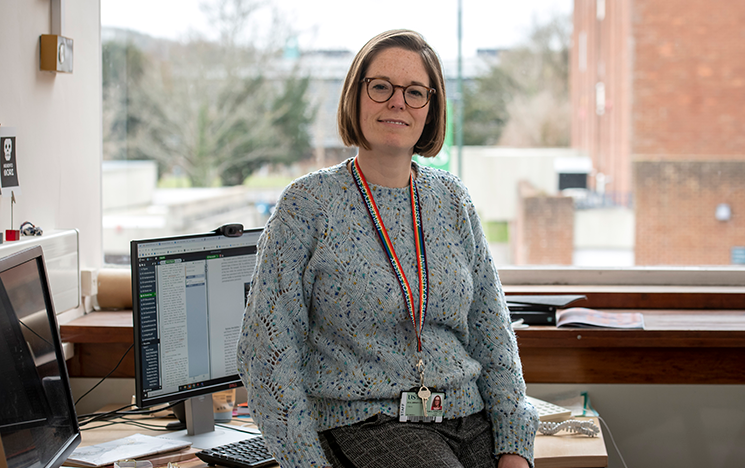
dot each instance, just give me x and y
(99, 433)
(563, 450)
(677, 347)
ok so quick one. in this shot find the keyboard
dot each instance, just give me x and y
(549, 412)
(249, 453)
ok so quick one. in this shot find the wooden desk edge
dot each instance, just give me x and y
(116, 327)
(549, 355)
(100, 327)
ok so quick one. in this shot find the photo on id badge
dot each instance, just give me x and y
(411, 409)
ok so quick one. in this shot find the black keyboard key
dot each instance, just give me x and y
(249, 453)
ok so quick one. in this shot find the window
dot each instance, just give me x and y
(592, 186)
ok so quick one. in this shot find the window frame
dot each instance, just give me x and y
(683, 276)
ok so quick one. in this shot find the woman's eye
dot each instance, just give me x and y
(415, 92)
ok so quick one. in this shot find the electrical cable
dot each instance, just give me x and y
(151, 410)
(602, 421)
(92, 417)
(28, 229)
(587, 428)
(97, 427)
(32, 331)
(613, 440)
(118, 413)
(152, 427)
(107, 375)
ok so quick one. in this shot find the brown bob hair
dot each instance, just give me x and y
(433, 135)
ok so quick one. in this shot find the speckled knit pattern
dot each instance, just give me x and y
(327, 340)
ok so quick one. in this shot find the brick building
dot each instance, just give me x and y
(543, 228)
(658, 97)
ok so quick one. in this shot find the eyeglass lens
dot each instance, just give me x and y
(381, 90)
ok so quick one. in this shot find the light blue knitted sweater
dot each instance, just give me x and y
(327, 340)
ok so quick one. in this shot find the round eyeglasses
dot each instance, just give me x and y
(381, 90)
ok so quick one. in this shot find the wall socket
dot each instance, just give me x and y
(88, 282)
(56, 53)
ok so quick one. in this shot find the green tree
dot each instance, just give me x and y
(290, 118)
(524, 100)
(122, 63)
(124, 66)
(485, 107)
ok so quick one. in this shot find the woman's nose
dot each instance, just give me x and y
(397, 100)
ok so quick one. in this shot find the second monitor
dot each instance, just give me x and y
(189, 293)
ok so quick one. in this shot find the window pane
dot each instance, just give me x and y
(590, 138)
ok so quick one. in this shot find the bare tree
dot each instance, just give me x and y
(217, 111)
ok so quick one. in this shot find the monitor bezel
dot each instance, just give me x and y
(229, 382)
(36, 254)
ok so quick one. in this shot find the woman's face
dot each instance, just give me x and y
(392, 126)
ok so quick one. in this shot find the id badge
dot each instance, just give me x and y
(410, 408)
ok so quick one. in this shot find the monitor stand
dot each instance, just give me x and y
(200, 426)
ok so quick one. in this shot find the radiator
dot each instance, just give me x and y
(62, 261)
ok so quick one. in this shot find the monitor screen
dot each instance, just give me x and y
(38, 424)
(188, 297)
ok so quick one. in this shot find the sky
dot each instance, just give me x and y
(348, 24)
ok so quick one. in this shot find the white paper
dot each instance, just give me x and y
(128, 448)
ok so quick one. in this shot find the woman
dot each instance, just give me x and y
(375, 289)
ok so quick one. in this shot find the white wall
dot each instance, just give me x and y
(654, 426)
(128, 184)
(492, 173)
(604, 237)
(681, 426)
(57, 119)
(604, 228)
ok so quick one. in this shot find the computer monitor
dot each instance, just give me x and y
(38, 423)
(188, 297)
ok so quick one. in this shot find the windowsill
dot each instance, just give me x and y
(683, 276)
(620, 289)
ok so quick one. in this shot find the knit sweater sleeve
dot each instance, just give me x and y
(272, 345)
(493, 344)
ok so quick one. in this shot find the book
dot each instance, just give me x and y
(521, 307)
(538, 309)
(534, 317)
(136, 446)
(581, 317)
